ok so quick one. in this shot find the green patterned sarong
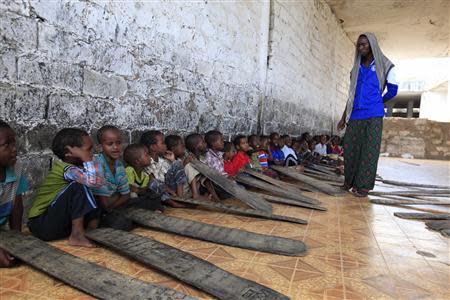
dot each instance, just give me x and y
(362, 142)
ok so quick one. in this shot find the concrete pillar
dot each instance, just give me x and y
(390, 108)
(409, 112)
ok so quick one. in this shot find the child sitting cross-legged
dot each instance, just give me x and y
(114, 191)
(201, 187)
(137, 159)
(12, 186)
(64, 203)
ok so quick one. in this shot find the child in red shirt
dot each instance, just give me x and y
(241, 159)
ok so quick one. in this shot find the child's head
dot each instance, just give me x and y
(136, 155)
(335, 140)
(264, 142)
(287, 140)
(274, 139)
(175, 144)
(306, 136)
(323, 139)
(228, 151)
(254, 141)
(72, 137)
(8, 149)
(214, 140)
(312, 145)
(195, 144)
(109, 139)
(241, 143)
(297, 145)
(154, 141)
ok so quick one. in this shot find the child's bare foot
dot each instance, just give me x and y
(80, 241)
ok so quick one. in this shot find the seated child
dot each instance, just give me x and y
(290, 157)
(241, 159)
(12, 186)
(214, 155)
(275, 149)
(255, 153)
(201, 187)
(137, 158)
(264, 142)
(159, 164)
(114, 191)
(335, 147)
(64, 202)
(321, 147)
(175, 178)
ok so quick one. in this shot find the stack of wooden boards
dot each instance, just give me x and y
(103, 283)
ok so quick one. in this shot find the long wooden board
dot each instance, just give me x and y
(183, 266)
(442, 226)
(283, 185)
(413, 193)
(422, 216)
(406, 184)
(283, 200)
(253, 182)
(322, 176)
(276, 182)
(88, 277)
(240, 211)
(231, 187)
(323, 187)
(216, 234)
(277, 199)
(406, 202)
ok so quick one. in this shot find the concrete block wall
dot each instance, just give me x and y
(421, 138)
(175, 66)
(308, 74)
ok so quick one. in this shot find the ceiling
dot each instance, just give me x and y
(404, 28)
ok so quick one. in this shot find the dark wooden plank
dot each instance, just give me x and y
(277, 199)
(320, 176)
(422, 216)
(323, 187)
(216, 234)
(231, 187)
(442, 226)
(253, 182)
(183, 266)
(409, 184)
(240, 211)
(86, 276)
(413, 193)
(406, 202)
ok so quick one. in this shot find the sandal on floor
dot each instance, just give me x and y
(360, 193)
(345, 187)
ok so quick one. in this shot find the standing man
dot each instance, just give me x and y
(372, 72)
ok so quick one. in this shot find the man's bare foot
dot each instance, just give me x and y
(80, 241)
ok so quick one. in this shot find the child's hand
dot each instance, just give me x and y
(78, 152)
(6, 260)
(187, 159)
(169, 155)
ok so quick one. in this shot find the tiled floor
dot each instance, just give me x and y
(357, 251)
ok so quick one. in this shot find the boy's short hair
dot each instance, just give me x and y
(67, 137)
(285, 136)
(227, 146)
(148, 138)
(252, 137)
(132, 152)
(172, 141)
(103, 129)
(212, 136)
(3, 125)
(191, 141)
(237, 139)
(273, 134)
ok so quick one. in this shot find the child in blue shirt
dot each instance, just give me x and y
(12, 186)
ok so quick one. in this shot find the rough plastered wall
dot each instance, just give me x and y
(309, 67)
(178, 66)
(175, 66)
(421, 138)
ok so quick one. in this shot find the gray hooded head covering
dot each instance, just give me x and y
(382, 65)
